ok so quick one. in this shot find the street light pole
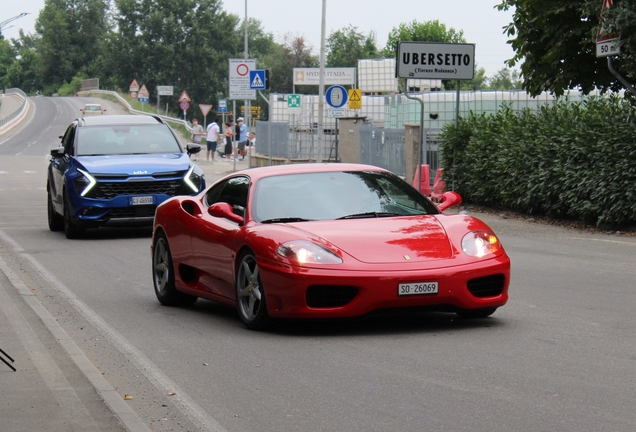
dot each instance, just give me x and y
(4, 23)
(321, 89)
(247, 103)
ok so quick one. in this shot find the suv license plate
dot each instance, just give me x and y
(417, 288)
(141, 200)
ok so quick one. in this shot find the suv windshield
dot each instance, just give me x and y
(125, 139)
(336, 195)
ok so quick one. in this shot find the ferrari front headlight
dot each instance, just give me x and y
(306, 252)
(480, 244)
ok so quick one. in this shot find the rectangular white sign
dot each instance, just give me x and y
(165, 90)
(609, 47)
(336, 112)
(239, 75)
(333, 76)
(431, 60)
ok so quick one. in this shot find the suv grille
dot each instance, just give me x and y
(109, 189)
(487, 286)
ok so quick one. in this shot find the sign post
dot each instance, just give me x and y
(431, 60)
(205, 109)
(184, 103)
(163, 91)
(143, 96)
(134, 88)
(607, 44)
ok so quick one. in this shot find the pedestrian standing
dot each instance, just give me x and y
(242, 139)
(229, 135)
(212, 139)
(195, 135)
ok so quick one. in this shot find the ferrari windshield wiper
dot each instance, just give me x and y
(370, 215)
(287, 219)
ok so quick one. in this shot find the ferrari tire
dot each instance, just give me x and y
(56, 221)
(250, 296)
(70, 229)
(163, 275)
(477, 313)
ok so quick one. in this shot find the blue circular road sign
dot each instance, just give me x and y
(336, 96)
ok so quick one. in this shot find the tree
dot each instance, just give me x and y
(477, 83)
(70, 33)
(7, 57)
(283, 58)
(185, 44)
(24, 71)
(347, 46)
(429, 31)
(555, 44)
(505, 79)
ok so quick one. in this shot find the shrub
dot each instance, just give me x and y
(566, 159)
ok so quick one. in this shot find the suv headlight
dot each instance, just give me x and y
(84, 183)
(194, 178)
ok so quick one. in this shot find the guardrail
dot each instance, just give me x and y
(132, 110)
(14, 92)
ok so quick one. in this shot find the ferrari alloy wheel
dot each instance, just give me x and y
(477, 313)
(163, 275)
(71, 231)
(250, 297)
(56, 222)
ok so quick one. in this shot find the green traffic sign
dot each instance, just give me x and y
(293, 101)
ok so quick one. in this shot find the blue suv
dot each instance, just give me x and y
(116, 170)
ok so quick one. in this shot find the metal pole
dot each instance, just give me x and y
(234, 127)
(623, 81)
(457, 106)
(248, 103)
(419, 153)
(321, 90)
(269, 129)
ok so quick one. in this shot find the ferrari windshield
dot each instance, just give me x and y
(125, 139)
(336, 195)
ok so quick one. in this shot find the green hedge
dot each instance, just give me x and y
(566, 160)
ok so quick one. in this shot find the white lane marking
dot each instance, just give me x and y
(65, 396)
(182, 400)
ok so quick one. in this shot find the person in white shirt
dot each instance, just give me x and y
(211, 139)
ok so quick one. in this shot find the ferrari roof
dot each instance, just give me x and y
(275, 170)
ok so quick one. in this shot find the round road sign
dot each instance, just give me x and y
(336, 96)
(185, 105)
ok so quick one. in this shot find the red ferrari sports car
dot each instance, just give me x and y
(324, 241)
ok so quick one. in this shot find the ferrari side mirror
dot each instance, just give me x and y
(224, 210)
(449, 199)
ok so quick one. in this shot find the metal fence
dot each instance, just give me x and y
(14, 91)
(386, 148)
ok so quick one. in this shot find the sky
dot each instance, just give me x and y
(481, 22)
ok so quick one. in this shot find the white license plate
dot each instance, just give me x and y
(141, 200)
(417, 288)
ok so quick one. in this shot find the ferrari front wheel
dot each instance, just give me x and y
(163, 275)
(250, 297)
(477, 313)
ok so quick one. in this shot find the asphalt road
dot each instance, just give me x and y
(560, 356)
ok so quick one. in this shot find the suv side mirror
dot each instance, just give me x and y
(193, 148)
(57, 152)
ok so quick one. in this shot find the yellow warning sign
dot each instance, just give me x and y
(355, 99)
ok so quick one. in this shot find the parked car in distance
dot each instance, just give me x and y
(93, 109)
(325, 241)
(116, 170)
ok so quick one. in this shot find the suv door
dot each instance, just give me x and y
(59, 165)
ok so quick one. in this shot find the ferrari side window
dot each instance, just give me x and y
(235, 194)
(232, 191)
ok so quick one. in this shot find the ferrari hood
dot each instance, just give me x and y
(385, 240)
(135, 164)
